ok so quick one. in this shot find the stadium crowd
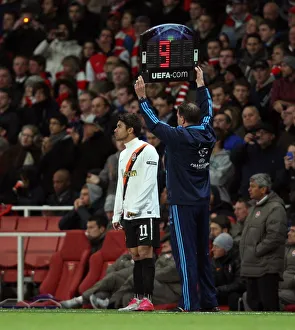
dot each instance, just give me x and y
(67, 70)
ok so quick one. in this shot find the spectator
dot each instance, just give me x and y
(178, 90)
(254, 51)
(241, 212)
(235, 23)
(164, 104)
(221, 168)
(57, 150)
(85, 104)
(120, 78)
(96, 231)
(49, 16)
(220, 95)
(92, 152)
(290, 44)
(195, 11)
(225, 42)
(70, 108)
(291, 17)
(268, 35)
(56, 46)
(106, 118)
(251, 27)
(235, 115)
(63, 194)
(72, 69)
(282, 93)
(37, 66)
(89, 204)
(89, 49)
(218, 206)
(83, 24)
(8, 117)
(9, 19)
(25, 35)
(287, 135)
(271, 11)
(241, 93)
(261, 88)
(20, 70)
(127, 22)
(124, 95)
(262, 245)
(233, 73)
(5, 185)
(223, 122)
(27, 151)
(259, 153)
(27, 190)
(226, 272)
(276, 60)
(41, 111)
(286, 287)
(218, 225)
(251, 119)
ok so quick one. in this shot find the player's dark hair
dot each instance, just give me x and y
(100, 219)
(190, 112)
(131, 120)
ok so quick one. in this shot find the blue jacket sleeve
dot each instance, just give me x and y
(163, 131)
(204, 102)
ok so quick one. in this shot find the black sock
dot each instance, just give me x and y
(148, 271)
(137, 279)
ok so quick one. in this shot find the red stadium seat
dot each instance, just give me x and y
(67, 266)
(32, 224)
(289, 308)
(52, 224)
(113, 247)
(8, 223)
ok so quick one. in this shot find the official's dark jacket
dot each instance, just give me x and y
(188, 151)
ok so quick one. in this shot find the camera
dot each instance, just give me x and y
(26, 20)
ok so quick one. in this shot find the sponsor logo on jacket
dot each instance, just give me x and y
(130, 173)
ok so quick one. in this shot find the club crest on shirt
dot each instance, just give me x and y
(133, 157)
(257, 214)
(203, 152)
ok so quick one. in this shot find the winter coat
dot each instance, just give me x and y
(226, 274)
(263, 238)
(289, 269)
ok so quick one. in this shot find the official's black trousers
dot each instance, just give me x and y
(262, 293)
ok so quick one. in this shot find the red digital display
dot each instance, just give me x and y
(164, 52)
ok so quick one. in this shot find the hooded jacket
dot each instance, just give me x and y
(263, 238)
(289, 269)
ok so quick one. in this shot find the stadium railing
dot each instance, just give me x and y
(27, 209)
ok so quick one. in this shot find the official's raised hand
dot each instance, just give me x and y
(140, 88)
(199, 77)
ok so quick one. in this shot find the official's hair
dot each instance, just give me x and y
(131, 120)
(100, 219)
(190, 112)
(262, 180)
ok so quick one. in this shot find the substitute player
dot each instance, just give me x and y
(188, 150)
(137, 204)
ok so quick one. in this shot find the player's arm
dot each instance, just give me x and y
(161, 130)
(150, 168)
(203, 100)
(118, 207)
